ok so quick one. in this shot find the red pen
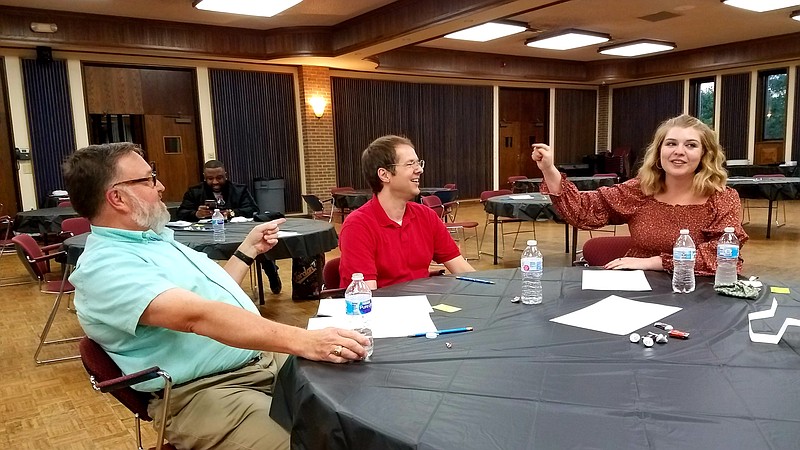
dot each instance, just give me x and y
(678, 334)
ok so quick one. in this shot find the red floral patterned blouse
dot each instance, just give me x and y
(654, 225)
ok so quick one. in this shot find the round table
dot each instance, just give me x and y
(769, 188)
(445, 195)
(351, 200)
(313, 238)
(48, 220)
(520, 381)
(582, 183)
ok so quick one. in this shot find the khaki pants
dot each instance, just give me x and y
(225, 411)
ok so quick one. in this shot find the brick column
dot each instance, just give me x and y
(319, 155)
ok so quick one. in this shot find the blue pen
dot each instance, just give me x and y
(447, 331)
(475, 280)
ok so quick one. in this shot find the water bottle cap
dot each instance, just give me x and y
(216, 210)
(685, 231)
(729, 229)
(357, 276)
(532, 242)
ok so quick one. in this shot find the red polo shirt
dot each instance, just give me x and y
(375, 245)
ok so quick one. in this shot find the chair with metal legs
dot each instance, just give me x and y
(37, 261)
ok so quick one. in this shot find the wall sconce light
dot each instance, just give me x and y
(317, 105)
(39, 27)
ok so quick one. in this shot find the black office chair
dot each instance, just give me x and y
(317, 207)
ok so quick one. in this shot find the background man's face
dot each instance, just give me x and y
(215, 178)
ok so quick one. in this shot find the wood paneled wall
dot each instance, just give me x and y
(794, 127)
(9, 196)
(134, 90)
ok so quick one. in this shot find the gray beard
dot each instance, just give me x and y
(153, 217)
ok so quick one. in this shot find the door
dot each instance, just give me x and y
(171, 144)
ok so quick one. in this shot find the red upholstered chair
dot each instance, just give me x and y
(64, 204)
(450, 186)
(456, 228)
(490, 220)
(600, 250)
(7, 247)
(317, 207)
(37, 260)
(514, 178)
(74, 226)
(105, 376)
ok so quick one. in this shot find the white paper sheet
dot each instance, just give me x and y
(616, 315)
(766, 314)
(282, 234)
(520, 197)
(615, 280)
(390, 316)
(179, 224)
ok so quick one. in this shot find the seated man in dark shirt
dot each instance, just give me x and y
(232, 199)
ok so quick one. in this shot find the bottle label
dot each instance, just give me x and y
(530, 264)
(727, 251)
(683, 254)
(358, 304)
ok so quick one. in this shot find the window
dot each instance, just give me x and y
(701, 103)
(772, 104)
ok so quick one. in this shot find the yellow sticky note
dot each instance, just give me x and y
(779, 290)
(447, 308)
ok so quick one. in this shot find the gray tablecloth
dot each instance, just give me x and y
(520, 381)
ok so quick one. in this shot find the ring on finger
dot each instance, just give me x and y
(337, 350)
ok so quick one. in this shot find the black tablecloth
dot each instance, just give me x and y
(444, 194)
(351, 200)
(582, 183)
(778, 188)
(315, 237)
(750, 170)
(48, 220)
(532, 207)
(520, 381)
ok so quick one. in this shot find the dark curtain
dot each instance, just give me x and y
(796, 123)
(255, 128)
(50, 124)
(637, 111)
(450, 126)
(734, 115)
(576, 111)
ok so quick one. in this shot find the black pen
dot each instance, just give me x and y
(475, 280)
(447, 331)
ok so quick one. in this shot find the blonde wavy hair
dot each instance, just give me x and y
(709, 177)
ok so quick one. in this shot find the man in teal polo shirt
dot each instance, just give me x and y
(149, 300)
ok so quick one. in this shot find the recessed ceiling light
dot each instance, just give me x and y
(637, 48)
(761, 5)
(488, 31)
(796, 15)
(246, 7)
(567, 39)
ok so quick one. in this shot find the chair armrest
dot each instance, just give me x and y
(332, 293)
(51, 247)
(435, 273)
(127, 380)
(47, 257)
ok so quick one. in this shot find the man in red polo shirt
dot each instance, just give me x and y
(392, 239)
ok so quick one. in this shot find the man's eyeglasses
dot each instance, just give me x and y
(418, 163)
(151, 178)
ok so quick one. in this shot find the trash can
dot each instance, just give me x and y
(269, 194)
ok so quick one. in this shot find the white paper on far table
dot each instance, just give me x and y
(282, 234)
(615, 280)
(616, 315)
(520, 197)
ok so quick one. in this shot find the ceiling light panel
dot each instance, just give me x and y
(488, 31)
(567, 39)
(246, 7)
(761, 5)
(637, 48)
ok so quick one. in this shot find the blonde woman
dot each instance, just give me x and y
(681, 184)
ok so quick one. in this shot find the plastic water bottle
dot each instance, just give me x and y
(531, 268)
(218, 225)
(727, 258)
(358, 300)
(683, 256)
